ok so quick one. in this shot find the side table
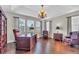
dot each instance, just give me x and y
(58, 36)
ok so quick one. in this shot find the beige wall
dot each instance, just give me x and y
(62, 22)
(10, 27)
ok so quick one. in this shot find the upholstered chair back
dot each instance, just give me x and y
(45, 32)
(16, 32)
(75, 35)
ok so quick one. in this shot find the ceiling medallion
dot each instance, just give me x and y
(42, 12)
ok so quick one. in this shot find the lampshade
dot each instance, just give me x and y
(57, 27)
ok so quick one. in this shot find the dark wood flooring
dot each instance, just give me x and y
(43, 46)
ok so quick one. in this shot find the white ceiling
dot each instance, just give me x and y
(32, 10)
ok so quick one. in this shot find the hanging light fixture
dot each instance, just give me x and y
(42, 13)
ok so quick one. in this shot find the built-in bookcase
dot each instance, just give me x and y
(3, 30)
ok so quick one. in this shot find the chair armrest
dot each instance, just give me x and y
(67, 37)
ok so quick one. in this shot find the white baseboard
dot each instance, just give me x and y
(10, 41)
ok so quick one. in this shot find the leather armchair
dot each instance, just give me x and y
(72, 39)
(22, 42)
(45, 34)
(75, 38)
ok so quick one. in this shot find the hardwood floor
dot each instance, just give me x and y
(43, 46)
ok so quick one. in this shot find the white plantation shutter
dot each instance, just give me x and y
(75, 23)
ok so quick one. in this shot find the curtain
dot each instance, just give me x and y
(16, 22)
(68, 25)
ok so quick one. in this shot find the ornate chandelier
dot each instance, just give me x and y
(42, 13)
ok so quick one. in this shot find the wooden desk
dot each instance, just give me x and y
(26, 42)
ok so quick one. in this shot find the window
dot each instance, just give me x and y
(30, 23)
(75, 23)
(16, 22)
(30, 26)
(38, 24)
(27, 26)
(22, 25)
(47, 26)
(38, 27)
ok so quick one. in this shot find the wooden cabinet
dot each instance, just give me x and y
(58, 36)
(3, 30)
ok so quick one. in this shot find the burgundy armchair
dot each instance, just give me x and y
(45, 34)
(22, 42)
(73, 38)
